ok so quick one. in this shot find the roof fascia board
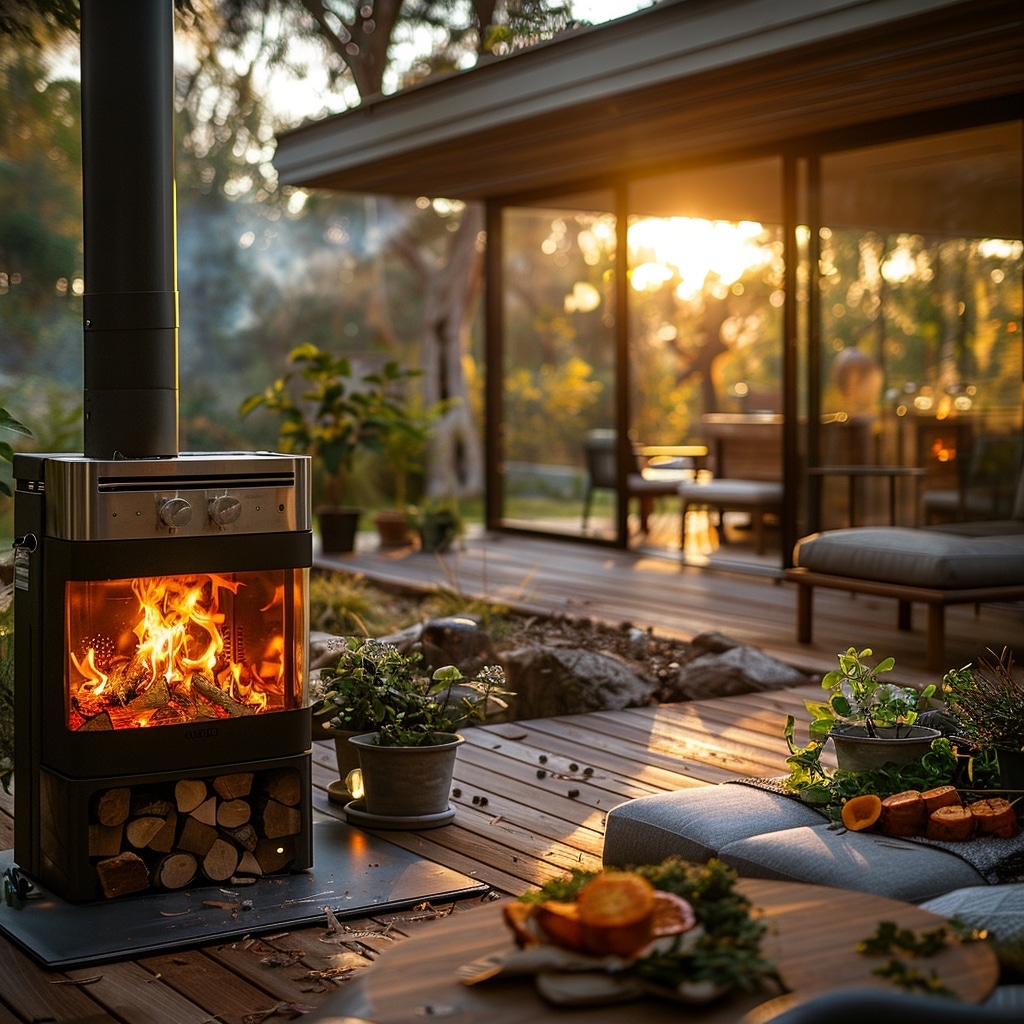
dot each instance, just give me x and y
(665, 43)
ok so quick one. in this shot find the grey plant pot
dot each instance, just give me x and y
(856, 751)
(406, 782)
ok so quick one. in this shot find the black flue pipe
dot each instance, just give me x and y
(131, 298)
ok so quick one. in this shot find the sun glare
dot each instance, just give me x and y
(696, 251)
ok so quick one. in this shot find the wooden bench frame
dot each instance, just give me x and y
(935, 599)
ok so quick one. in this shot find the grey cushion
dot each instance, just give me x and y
(696, 823)
(981, 528)
(999, 908)
(851, 860)
(924, 558)
(732, 492)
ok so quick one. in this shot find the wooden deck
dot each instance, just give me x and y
(514, 828)
(512, 831)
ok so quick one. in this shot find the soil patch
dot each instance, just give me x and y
(343, 604)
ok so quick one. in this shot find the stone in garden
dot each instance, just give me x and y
(736, 670)
(549, 681)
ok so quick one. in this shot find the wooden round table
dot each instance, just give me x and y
(812, 932)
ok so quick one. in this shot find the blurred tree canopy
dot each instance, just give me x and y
(260, 267)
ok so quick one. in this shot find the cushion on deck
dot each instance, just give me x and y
(922, 558)
(732, 492)
(999, 908)
(981, 528)
(851, 860)
(696, 823)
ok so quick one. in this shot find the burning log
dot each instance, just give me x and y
(98, 723)
(215, 695)
(156, 695)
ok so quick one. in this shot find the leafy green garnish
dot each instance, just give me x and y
(726, 954)
(890, 938)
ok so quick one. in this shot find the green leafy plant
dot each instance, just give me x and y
(988, 701)
(859, 697)
(337, 415)
(8, 422)
(945, 764)
(375, 687)
(439, 523)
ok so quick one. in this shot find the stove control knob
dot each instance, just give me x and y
(225, 509)
(175, 512)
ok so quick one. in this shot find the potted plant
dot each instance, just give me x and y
(332, 419)
(403, 726)
(370, 681)
(988, 702)
(404, 455)
(438, 524)
(870, 722)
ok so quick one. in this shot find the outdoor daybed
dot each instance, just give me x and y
(955, 563)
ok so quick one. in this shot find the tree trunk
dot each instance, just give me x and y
(451, 288)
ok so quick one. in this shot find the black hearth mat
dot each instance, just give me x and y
(355, 874)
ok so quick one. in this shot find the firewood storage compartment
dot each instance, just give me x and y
(162, 721)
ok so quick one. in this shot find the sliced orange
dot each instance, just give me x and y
(861, 812)
(616, 911)
(672, 915)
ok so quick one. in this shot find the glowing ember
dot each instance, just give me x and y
(164, 650)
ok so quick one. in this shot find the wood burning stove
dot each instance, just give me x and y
(162, 726)
(162, 731)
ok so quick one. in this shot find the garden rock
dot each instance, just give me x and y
(549, 681)
(735, 670)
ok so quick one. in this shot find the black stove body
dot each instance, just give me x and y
(161, 635)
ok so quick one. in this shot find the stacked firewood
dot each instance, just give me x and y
(230, 828)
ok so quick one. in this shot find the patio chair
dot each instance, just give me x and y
(600, 456)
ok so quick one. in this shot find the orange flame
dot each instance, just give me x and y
(175, 658)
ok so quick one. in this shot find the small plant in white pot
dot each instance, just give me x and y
(870, 722)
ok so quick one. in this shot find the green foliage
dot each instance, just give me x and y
(375, 687)
(336, 416)
(945, 764)
(988, 701)
(728, 953)
(8, 422)
(858, 697)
